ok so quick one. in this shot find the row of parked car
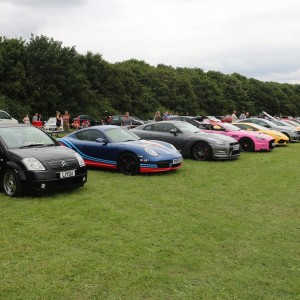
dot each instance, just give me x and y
(32, 160)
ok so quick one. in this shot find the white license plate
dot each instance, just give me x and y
(67, 174)
(236, 147)
(177, 160)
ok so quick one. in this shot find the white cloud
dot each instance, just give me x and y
(254, 38)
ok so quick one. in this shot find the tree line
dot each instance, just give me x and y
(41, 75)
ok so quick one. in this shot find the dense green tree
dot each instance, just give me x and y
(42, 75)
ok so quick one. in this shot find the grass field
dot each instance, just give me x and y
(212, 230)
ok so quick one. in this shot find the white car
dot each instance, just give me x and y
(6, 118)
(50, 125)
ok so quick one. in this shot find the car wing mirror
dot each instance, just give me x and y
(101, 141)
(174, 131)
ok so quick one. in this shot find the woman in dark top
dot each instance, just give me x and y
(58, 120)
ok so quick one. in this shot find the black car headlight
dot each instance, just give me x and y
(32, 164)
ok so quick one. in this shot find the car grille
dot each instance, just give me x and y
(63, 164)
(281, 142)
(235, 152)
(163, 164)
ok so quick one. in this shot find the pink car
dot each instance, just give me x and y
(249, 141)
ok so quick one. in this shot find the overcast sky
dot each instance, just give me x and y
(255, 38)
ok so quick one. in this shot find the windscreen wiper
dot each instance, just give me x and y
(32, 145)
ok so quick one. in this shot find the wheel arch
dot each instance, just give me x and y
(286, 134)
(247, 138)
(203, 142)
(121, 168)
(199, 141)
(14, 166)
(125, 151)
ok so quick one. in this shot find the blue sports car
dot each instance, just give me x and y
(114, 147)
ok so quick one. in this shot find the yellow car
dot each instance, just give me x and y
(280, 138)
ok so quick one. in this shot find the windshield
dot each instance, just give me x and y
(293, 123)
(259, 127)
(119, 135)
(187, 127)
(279, 123)
(211, 118)
(230, 127)
(21, 137)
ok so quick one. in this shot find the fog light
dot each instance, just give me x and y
(43, 186)
(84, 179)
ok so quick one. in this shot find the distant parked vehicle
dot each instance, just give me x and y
(50, 125)
(249, 141)
(280, 138)
(6, 118)
(85, 121)
(292, 134)
(116, 120)
(188, 119)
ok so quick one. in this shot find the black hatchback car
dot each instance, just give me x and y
(31, 160)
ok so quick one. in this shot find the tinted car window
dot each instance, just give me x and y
(89, 135)
(243, 126)
(119, 135)
(148, 128)
(163, 127)
(259, 122)
(4, 116)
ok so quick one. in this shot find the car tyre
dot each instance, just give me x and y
(201, 151)
(247, 145)
(128, 164)
(11, 183)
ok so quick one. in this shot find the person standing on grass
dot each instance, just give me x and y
(35, 117)
(66, 121)
(26, 119)
(242, 116)
(157, 117)
(234, 118)
(58, 120)
(126, 120)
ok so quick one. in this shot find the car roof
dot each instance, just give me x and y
(6, 125)
(100, 127)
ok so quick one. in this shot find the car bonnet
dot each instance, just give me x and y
(156, 146)
(43, 153)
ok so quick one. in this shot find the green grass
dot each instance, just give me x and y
(212, 230)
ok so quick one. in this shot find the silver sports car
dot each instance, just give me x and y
(190, 141)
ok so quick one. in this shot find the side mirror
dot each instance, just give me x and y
(174, 131)
(101, 141)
